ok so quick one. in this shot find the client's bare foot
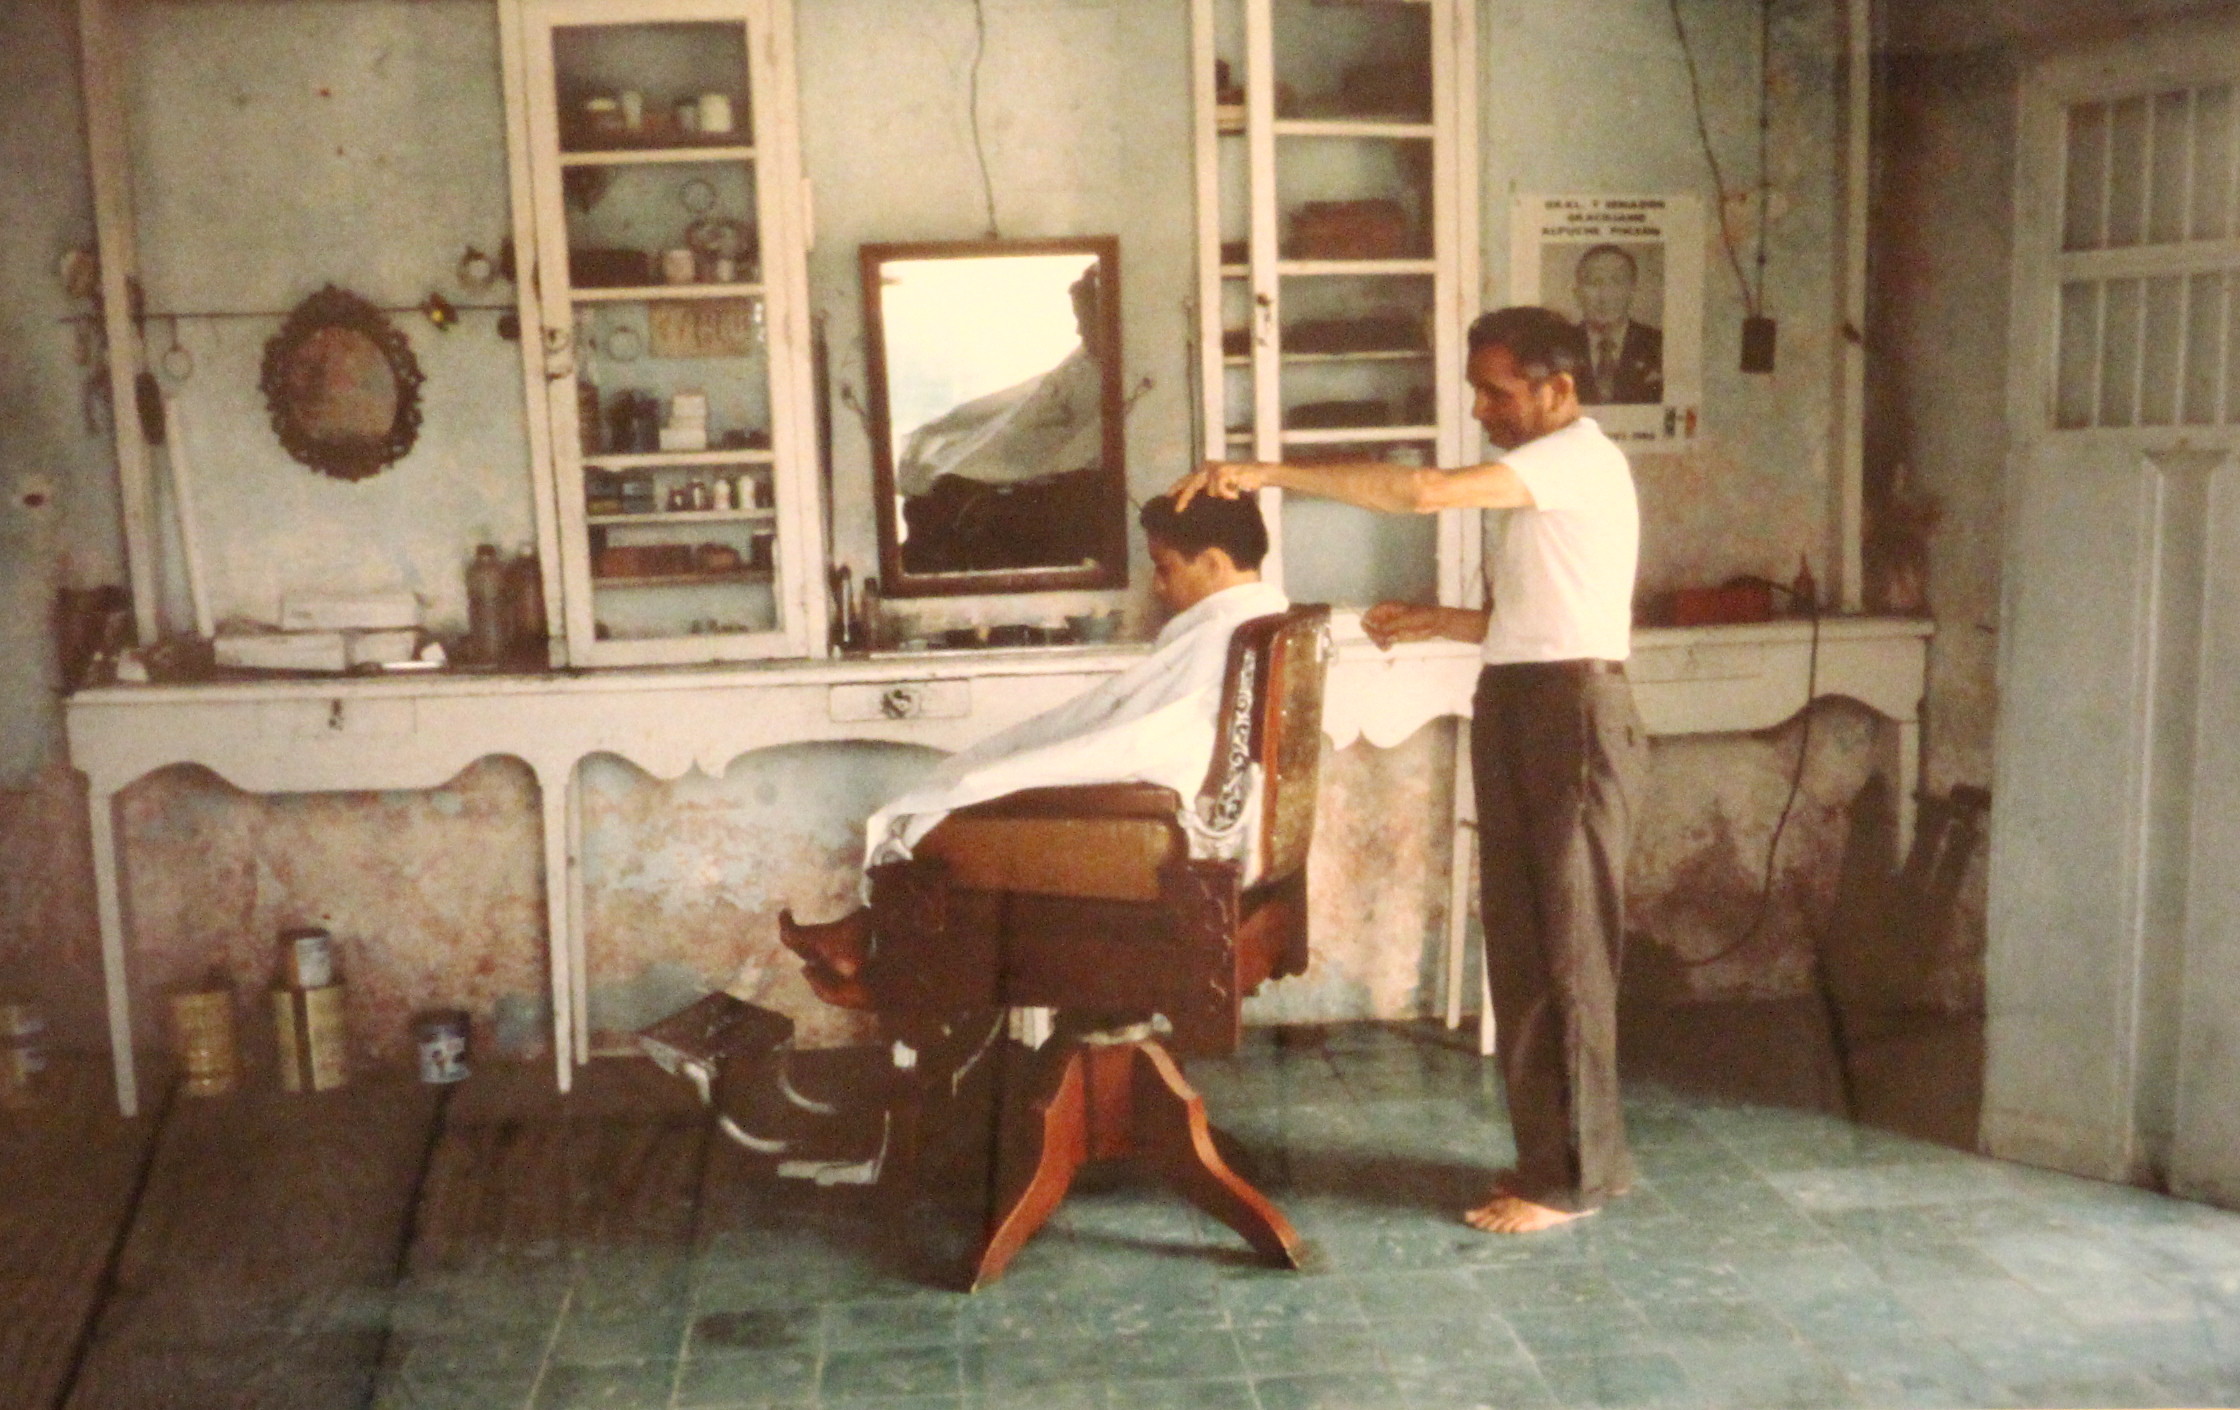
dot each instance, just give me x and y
(839, 946)
(1508, 1213)
(841, 991)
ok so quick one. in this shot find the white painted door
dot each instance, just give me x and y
(2114, 965)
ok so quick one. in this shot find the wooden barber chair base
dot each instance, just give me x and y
(1088, 901)
(1104, 1100)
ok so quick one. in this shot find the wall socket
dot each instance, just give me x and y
(1757, 343)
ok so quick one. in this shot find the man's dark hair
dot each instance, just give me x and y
(1542, 341)
(1232, 525)
(1633, 266)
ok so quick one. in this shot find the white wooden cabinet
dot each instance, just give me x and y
(1338, 268)
(661, 221)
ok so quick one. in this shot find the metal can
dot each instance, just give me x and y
(440, 1039)
(23, 1053)
(306, 958)
(202, 1028)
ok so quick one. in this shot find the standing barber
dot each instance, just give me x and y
(1555, 744)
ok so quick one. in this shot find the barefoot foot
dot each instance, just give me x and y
(839, 947)
(1508, 1213)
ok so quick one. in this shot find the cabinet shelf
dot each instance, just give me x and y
(1354, 267)
(1389, 129)
(656, 459)
(1367, 355)
(649, 156)
(641, 293)
(1359, 435)
(667, 580)
(685, 516)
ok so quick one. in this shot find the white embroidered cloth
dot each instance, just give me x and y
(1152, 723)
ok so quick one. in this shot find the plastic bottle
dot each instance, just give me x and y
(486, 606)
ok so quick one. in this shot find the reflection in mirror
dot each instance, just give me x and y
(995, 411)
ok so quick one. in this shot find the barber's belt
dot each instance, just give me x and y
(1589, 666)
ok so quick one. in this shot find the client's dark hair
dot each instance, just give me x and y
(1542, 341)
(1231, 525)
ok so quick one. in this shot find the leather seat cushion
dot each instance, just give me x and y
(1106, 842)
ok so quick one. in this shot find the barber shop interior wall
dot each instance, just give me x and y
(1593, 98)
(1083, 120)
(1936, 423)
(279, 147)
(58, 504)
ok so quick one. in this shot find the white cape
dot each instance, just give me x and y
(1151, 723)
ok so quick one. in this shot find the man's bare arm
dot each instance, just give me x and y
(1389, 623)
(1388, 489)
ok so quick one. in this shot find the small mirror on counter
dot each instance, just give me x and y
(996, 414)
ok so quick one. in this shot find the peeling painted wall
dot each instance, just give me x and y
(1936, 424)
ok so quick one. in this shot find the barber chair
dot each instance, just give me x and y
(1119, 908)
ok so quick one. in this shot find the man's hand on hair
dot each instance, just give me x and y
(1223, 479)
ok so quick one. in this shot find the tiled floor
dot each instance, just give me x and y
(1767, 1258)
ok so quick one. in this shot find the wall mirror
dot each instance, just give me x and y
(995, 415)
(342, 386)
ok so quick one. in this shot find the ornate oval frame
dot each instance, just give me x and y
(345, 458)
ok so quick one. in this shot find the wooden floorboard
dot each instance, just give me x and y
(69, 1167)
(261, 1259)
(554, 1234)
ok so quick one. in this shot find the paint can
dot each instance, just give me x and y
(23, 1053)
(306, 958)
(202, 1032)
(439, 1037)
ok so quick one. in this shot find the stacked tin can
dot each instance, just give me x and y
(23, 1053)
(203, 1034)
(307, 1011)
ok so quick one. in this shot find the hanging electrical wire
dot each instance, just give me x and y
(1765, 128)
(979, 144)
(1750, 300)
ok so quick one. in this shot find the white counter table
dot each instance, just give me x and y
(419, 731)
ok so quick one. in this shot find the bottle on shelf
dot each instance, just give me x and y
(486, 606)
(524, 596)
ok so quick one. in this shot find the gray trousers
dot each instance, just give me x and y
(1557, 751)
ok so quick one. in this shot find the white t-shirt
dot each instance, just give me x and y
(1563, 569)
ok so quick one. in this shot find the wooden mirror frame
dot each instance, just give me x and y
(343, 457)
(1111, 567)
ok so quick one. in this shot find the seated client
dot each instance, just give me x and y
(1151, 723)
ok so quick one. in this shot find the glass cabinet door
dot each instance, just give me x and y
(666, 289)
(1335, 239)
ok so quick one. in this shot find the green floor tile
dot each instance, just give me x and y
(890, 1371)
(778, 1377)
(637, 1386)
(1623, 1380)
(1336, 1390)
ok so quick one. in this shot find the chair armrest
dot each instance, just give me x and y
(1086, 800)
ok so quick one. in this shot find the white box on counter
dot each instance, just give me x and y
(349, 611)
